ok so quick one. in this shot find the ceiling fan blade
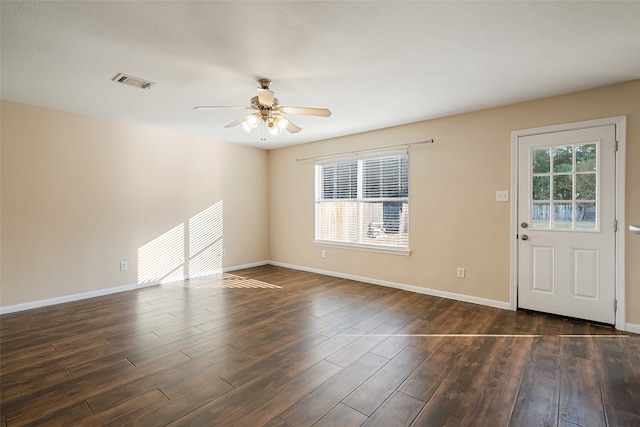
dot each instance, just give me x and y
(216, 107)
(293, 128)
(266, 97)
(322, 112)
(237, 122)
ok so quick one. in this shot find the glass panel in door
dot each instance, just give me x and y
(564, 187)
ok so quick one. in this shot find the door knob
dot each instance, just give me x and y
(525, 237)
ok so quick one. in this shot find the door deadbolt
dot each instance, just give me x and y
(525, 237)
(524, 225)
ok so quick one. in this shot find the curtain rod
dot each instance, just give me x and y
(428, 141)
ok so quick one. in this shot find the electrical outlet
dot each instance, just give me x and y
(460, 272)
(124, 265)
(324, 253)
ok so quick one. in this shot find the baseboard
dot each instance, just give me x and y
(629, 327)
(243, 266)
(218, 271)
(108, 291)
(411, 288)
(633, 328)
(173, 279)
(74, 297)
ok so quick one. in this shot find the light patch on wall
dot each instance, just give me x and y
(205, 246)
(163, 257)
(191, 249)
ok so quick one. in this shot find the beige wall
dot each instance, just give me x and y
(455, 220)
(80, 194)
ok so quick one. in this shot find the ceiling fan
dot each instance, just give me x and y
(269, 112)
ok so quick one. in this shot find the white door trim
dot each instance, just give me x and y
(620, 123)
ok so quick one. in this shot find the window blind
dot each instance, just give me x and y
(364, 201)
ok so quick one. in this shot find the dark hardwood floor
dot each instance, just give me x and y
(278, 347)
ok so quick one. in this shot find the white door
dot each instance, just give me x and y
(566, 214)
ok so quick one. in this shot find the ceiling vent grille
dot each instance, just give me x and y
(132, 81)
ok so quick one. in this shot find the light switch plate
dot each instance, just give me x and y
(502, 196)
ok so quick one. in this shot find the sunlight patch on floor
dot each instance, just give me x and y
(225, 280)
(490, 335)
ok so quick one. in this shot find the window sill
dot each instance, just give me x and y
(364, 247)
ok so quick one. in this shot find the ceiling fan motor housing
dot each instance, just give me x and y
(264, 83)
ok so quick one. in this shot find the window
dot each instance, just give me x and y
(564, 187)
(364, 201)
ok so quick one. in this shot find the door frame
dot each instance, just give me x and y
(620, 123)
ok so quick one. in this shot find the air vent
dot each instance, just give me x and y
(132, 81)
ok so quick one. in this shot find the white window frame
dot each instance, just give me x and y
(360, 202)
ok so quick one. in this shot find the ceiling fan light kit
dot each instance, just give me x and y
(269, 113)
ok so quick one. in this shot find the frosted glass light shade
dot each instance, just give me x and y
(252, 121)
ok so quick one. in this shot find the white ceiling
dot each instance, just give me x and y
(373, 64)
